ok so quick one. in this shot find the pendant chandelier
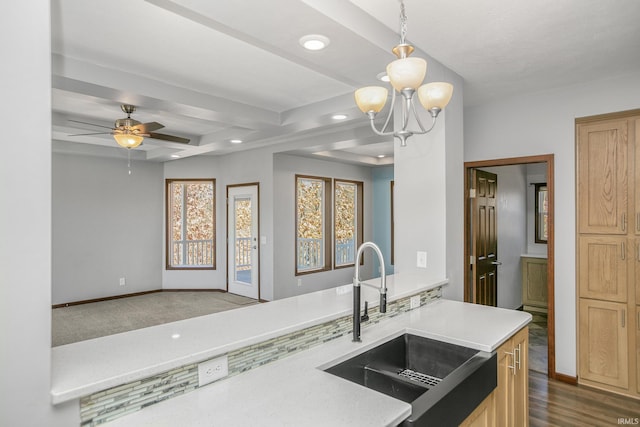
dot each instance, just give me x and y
(405, 75)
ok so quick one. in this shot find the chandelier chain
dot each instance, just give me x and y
(403, 23)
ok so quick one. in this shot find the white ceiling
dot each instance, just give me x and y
(213, 71)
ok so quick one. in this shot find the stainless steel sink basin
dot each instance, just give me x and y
(443, 382)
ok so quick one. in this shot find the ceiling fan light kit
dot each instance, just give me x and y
(130, 133)
(406, 75)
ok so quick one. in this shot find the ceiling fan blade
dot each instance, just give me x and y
(92, 124)
(95, 133)
(168, 138)
(148, 127)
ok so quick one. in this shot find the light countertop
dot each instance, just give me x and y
(86, 367)
(534, 255)
(294, 391)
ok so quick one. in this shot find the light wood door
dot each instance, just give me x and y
(636, 181)
(521, 379)
(483, 415)
(637, 327)
(512, 392)
(603, 272)
(534, 282)
(636, 267)
(603, 343)
(602, 177)
(485, 238)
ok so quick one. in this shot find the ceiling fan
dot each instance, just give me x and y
(129, 133)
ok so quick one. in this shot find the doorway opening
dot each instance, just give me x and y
(470, 169)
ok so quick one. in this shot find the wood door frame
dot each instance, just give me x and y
(248, 184)
(549, 160)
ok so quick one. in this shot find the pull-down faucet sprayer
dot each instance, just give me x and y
(357, 283)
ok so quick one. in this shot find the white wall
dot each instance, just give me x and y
(543, 123)
(25, 221)
(107, 224)
(429, 211)
(285, 169)
(512, 232)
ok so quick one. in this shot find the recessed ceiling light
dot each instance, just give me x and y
(175, 156)
(339, 116)
(383, 77)
(380, 156)
(236, 141)
(314, 41)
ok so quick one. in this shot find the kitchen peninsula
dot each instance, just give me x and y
(288, 390)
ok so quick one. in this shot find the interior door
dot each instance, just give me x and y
(243, 247)
(484, 251)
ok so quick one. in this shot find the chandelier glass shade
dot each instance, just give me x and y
(406, 75)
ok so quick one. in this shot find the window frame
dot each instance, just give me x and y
(359, 217)
(168, 225)
(537, 227)
(326, 227)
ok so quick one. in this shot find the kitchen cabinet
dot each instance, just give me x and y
(512, 392)
(608, 251)
(483, 415)
(603, 343)
(534, 283)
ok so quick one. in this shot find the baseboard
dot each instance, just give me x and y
(566, 379)
(134, 294)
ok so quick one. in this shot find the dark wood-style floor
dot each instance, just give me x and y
(554, 403)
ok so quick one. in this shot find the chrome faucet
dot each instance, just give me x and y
(357, 283)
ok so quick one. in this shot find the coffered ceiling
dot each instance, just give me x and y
(213, 71)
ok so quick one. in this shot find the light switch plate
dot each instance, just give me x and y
(421, 261)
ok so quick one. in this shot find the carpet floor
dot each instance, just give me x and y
(86, 321)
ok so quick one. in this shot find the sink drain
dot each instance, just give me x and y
(420, 377)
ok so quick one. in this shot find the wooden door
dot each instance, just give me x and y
(603, 343)
(483, 415)
(602, 267)
(506, 373)
(636, 264)
(484, 238)
(602, 177)
(534, 282)
(637, 327)
(521, 379)
(636, 181)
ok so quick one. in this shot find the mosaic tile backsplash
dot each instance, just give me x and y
(116, 402)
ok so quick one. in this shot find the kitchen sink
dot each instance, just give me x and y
(443, 382)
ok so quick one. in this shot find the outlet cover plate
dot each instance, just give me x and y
(212, 370)
(421, 261)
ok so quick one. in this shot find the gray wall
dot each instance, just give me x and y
(382, 178)
(285, 169)
(107, 224)
(528, 125)
(25, 221)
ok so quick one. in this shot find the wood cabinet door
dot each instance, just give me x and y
(483, 415)
(602, 267)
(637, 326)
(636, 180)
(521, 379)
(602, 151)
(534, 282)
(636, 268)
(503, 400)
(603, 350)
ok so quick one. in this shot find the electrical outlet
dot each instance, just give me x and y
(421, 259)
(212, 370)
(414, 302)
(123, 281)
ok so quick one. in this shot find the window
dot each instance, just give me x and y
(191, 224)
(347, 221)
(313, 219)
(541, 212)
